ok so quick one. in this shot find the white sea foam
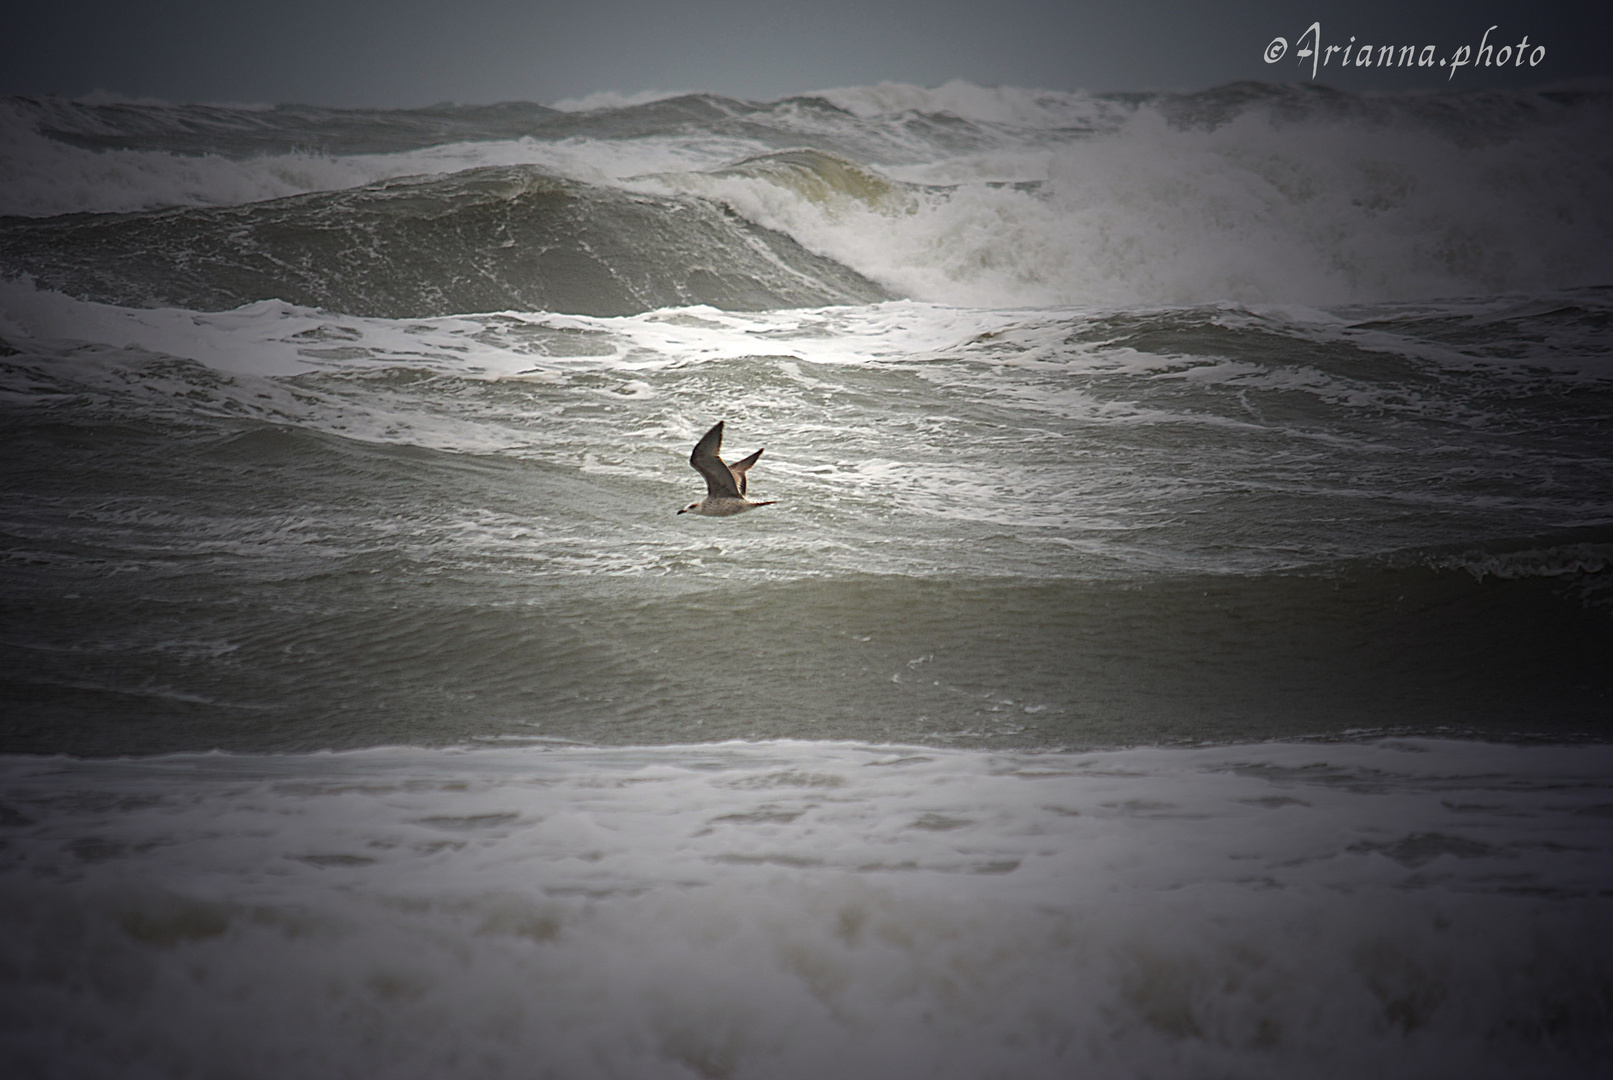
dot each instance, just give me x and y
(272, 338)
(1007, 105)
(612, 99)
(1253, 211)
(615, 401)
(40, 177)
(1263, 208)
(801, 910)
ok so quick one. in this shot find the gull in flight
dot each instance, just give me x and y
(725, 484)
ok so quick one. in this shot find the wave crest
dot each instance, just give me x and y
(489, 239)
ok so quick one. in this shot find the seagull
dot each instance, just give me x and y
(725, 484)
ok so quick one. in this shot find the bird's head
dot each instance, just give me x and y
(691, 507)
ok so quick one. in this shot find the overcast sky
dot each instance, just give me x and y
(414, 52)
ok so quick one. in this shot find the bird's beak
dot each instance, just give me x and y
(683, 511)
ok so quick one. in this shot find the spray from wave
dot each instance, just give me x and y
(961, 195)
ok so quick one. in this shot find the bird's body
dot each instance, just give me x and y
(725, 484)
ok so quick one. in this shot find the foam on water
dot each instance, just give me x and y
(1022, 197)
(899, 407)
(1252, 210)
(788, 910)
(1546, 337)
(611, 99)
(1009, 106)
(41, 176)
(272, 338)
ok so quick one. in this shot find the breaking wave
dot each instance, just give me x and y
(957, 194)
(483, 240)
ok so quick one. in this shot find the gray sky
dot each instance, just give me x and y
(413, 52)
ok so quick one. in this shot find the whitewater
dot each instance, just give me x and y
(1178, 647)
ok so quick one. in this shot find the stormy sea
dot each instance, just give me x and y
(1180, 645)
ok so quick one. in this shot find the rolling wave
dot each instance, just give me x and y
(486, 239)
(955, 194)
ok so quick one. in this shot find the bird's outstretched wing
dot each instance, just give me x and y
(740, 468)
(719, 481)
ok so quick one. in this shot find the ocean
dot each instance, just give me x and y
(1179, 646)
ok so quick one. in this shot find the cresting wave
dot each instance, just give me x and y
(486, 239)
(961, 195)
